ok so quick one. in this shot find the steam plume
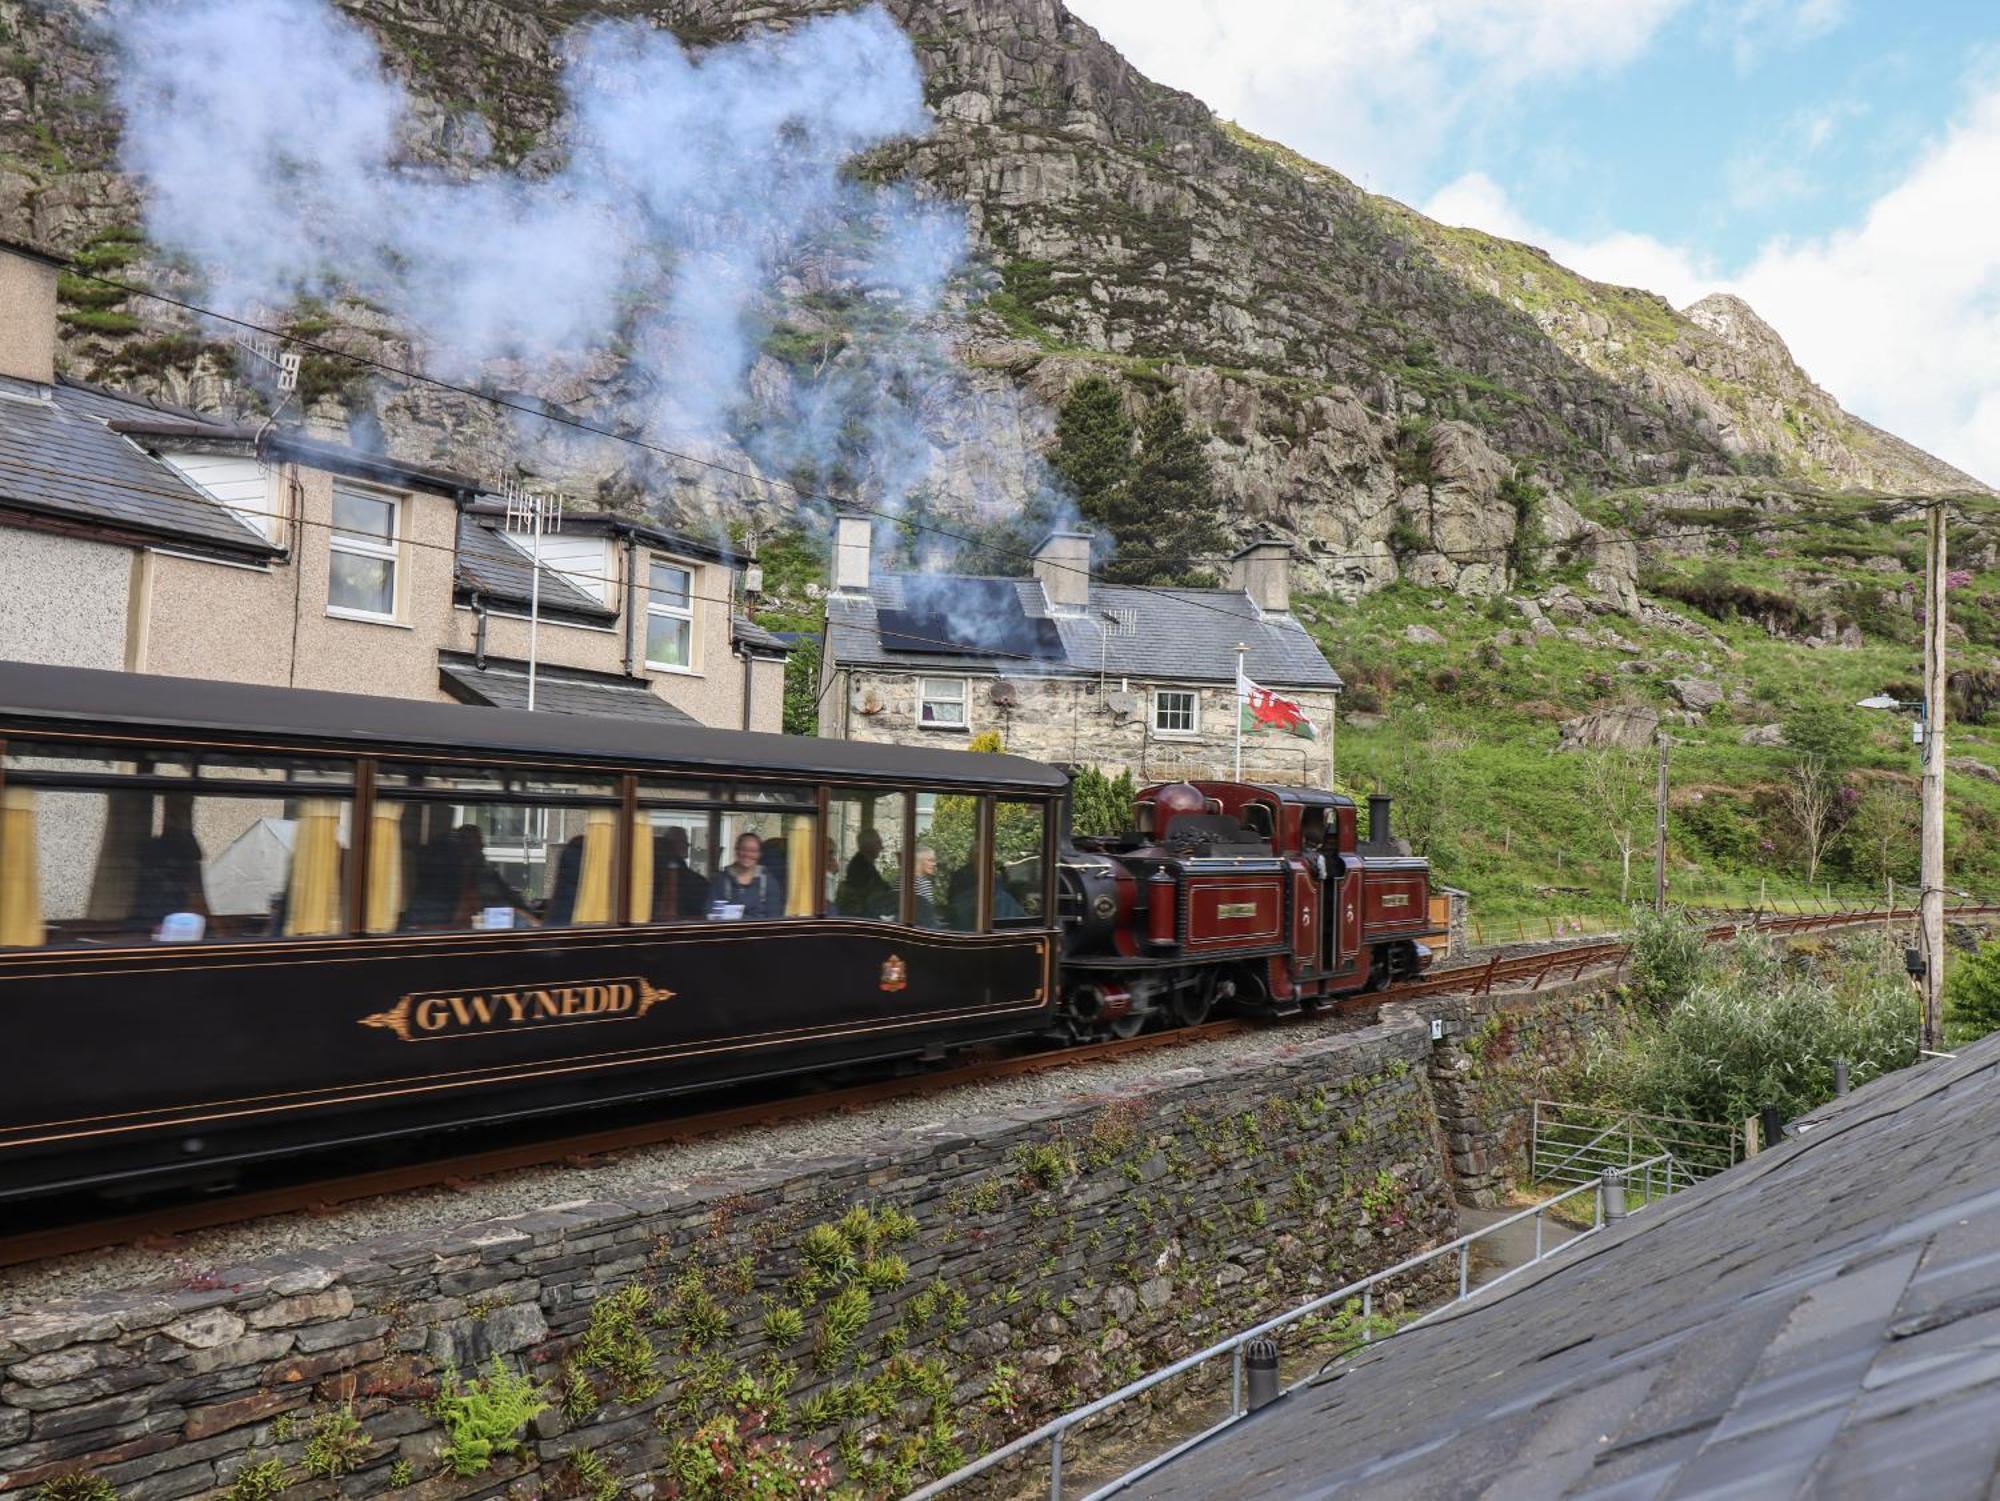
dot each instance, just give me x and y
(688, 198)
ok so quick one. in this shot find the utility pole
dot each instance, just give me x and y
(1931, 903)
(1660, 832)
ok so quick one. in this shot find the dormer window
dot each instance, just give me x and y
(361, 563)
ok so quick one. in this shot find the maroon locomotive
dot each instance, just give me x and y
(1262, 897)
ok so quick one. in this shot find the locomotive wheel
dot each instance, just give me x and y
(1130, 1025)
(1192, 1003)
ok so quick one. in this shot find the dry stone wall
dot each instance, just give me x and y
(872, 1317)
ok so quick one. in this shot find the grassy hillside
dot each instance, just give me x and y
(1465, 730)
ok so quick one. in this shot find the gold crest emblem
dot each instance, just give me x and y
(895, 974)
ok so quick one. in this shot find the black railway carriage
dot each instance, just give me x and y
(240, 921)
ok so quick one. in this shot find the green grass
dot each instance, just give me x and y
(1469, 728)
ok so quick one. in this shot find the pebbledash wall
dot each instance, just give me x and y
(898, 1309)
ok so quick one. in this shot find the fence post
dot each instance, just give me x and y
(1236, 1382)
(1368, 1314)
(1055, 1466)
(1534, 1146)
(1464, 1269)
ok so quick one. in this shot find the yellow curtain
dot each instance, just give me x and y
(385, 868)
(128, 824)
(593, 879)
(642, 868)
(801, 859)
(20, 872)
(312, 907)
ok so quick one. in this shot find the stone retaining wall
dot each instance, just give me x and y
(925, 1298)
(1500, 1053)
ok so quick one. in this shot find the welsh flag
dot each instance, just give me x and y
(1264, 709)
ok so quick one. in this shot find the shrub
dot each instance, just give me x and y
(485, 1416)
(1668, 956)
(1753, 1031)
(1972, 992)
(1101, 804)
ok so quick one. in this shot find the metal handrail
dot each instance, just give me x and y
(1056, 1429)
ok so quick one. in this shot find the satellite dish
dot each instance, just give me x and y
(1004, 695)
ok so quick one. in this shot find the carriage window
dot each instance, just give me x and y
(865, 832)
(1018, 840)
(111, 848)
(944, 875)
(458, 847)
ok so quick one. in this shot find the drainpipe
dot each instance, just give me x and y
(749, 677)
(631, 605)
(479, 632)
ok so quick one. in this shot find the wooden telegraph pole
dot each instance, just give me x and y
(1660, 832)
(1930, 924)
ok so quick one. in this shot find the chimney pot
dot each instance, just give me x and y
(28, 313)
(853, 538)
(1263, 570)
(1062, 564)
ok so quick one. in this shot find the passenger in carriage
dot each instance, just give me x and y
(170, 869)
(680, 891)
(866, 892)
(743, 890)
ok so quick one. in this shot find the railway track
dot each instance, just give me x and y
(160, 1227)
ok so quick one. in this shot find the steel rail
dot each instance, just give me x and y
(164, 1224)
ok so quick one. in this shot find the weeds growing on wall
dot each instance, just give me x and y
(1758, 1027)
(484, 1417)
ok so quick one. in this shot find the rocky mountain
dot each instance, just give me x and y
(1381, 387)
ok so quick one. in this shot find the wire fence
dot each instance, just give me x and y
(1488, 930)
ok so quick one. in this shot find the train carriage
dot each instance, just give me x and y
(239, 921)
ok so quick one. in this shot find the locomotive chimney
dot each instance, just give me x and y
(1263, 571)
(1062, 564)
(27, 313)
(1378, 822)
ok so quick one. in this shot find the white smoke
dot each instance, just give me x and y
(690, 197)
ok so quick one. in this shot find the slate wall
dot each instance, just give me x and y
(924, 1298)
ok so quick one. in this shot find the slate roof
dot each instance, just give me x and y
(746, 632)
(490, 565)
(504, 685)
(1823, 1320)
(59, 459)
(1182, 635)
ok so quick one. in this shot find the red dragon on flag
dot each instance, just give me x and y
(1266, 709)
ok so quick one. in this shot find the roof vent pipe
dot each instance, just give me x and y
(1260, 1363)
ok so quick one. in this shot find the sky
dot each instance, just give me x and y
(1836, 163)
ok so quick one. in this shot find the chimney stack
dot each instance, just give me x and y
(853, 538)
(1062, 563)
(1263, 570)
(28, 313)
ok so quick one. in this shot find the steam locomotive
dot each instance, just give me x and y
(1258, 897)
(242, 923)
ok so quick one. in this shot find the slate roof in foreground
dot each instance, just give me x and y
(1181, 635)
(504, 685)
(1823, 1321)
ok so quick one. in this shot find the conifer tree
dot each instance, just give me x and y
(1093, 451)
(1168, 514)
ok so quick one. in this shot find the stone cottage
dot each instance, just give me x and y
(1068, 669)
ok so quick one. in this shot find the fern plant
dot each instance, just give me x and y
(484, 1417)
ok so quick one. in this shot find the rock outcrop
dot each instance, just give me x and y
(1381, 388)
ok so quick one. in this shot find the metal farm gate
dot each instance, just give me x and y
(1573, 1143)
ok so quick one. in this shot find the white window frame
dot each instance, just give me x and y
(390, 552)
(672, 612)
(963, 700)
(1193, 696)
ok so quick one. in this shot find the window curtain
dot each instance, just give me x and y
(312, 903)
(385, 868)
(593, 881)
(128, 824)
(801, 859)
(21, 923)
(642, 868)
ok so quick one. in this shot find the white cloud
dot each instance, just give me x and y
(1898, 315)
(1369, 87)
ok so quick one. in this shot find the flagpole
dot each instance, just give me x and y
(1241, 649)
